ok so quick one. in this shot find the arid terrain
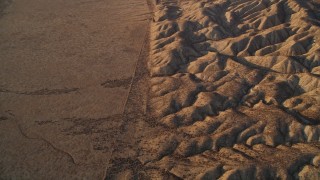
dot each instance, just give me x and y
(164, 89)
(65, 74)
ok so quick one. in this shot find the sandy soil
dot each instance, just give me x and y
(208, 89)
(66, 68)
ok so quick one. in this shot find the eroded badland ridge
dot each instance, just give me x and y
(234, 90)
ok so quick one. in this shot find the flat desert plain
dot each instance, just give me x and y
(160, 89)
(65, 74)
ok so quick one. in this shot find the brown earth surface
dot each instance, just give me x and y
(221, 89)
(65, 74)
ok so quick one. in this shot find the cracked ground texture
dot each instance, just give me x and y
(235, 89)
